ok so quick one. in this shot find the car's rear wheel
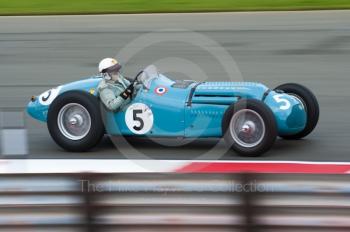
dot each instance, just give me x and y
(249, 127)
(309, 101)
(74, 121)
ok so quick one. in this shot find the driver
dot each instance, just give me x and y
(115, 91)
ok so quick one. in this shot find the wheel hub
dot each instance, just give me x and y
(247, 128)
(74, 121)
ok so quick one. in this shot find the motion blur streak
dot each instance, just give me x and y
(181, 202)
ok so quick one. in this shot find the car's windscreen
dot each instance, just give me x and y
(149, 74)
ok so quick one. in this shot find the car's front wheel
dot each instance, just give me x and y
(249, 127)
(74, 121)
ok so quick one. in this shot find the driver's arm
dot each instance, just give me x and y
(111, 101)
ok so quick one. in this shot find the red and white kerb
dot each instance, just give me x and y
(13, 166)
(160, 90)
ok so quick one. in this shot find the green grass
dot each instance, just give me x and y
(45, 7)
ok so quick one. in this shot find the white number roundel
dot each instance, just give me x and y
(139, 118)
(47, 97)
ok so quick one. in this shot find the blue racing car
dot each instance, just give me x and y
(249, 116)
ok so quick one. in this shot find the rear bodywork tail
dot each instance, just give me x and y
(208, 102)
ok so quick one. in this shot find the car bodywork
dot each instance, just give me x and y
(183, 108)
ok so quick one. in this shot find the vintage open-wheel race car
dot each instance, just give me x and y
(249, 116)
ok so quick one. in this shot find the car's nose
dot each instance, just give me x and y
(31, 106)
(36, 110)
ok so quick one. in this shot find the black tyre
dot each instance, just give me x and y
(75, 122)
(249, 127)
(310, 103)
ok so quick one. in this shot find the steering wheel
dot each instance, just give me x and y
(135, 81)
(135, 78)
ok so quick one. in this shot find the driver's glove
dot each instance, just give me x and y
(127, 92)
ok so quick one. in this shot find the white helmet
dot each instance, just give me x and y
(108, 67)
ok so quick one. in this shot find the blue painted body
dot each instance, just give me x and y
(175, 117)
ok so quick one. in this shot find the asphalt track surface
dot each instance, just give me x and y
(311, 48)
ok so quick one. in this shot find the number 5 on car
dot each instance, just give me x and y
(139, 118)
(279, 99)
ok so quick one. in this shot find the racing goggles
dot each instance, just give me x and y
(113, 69)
